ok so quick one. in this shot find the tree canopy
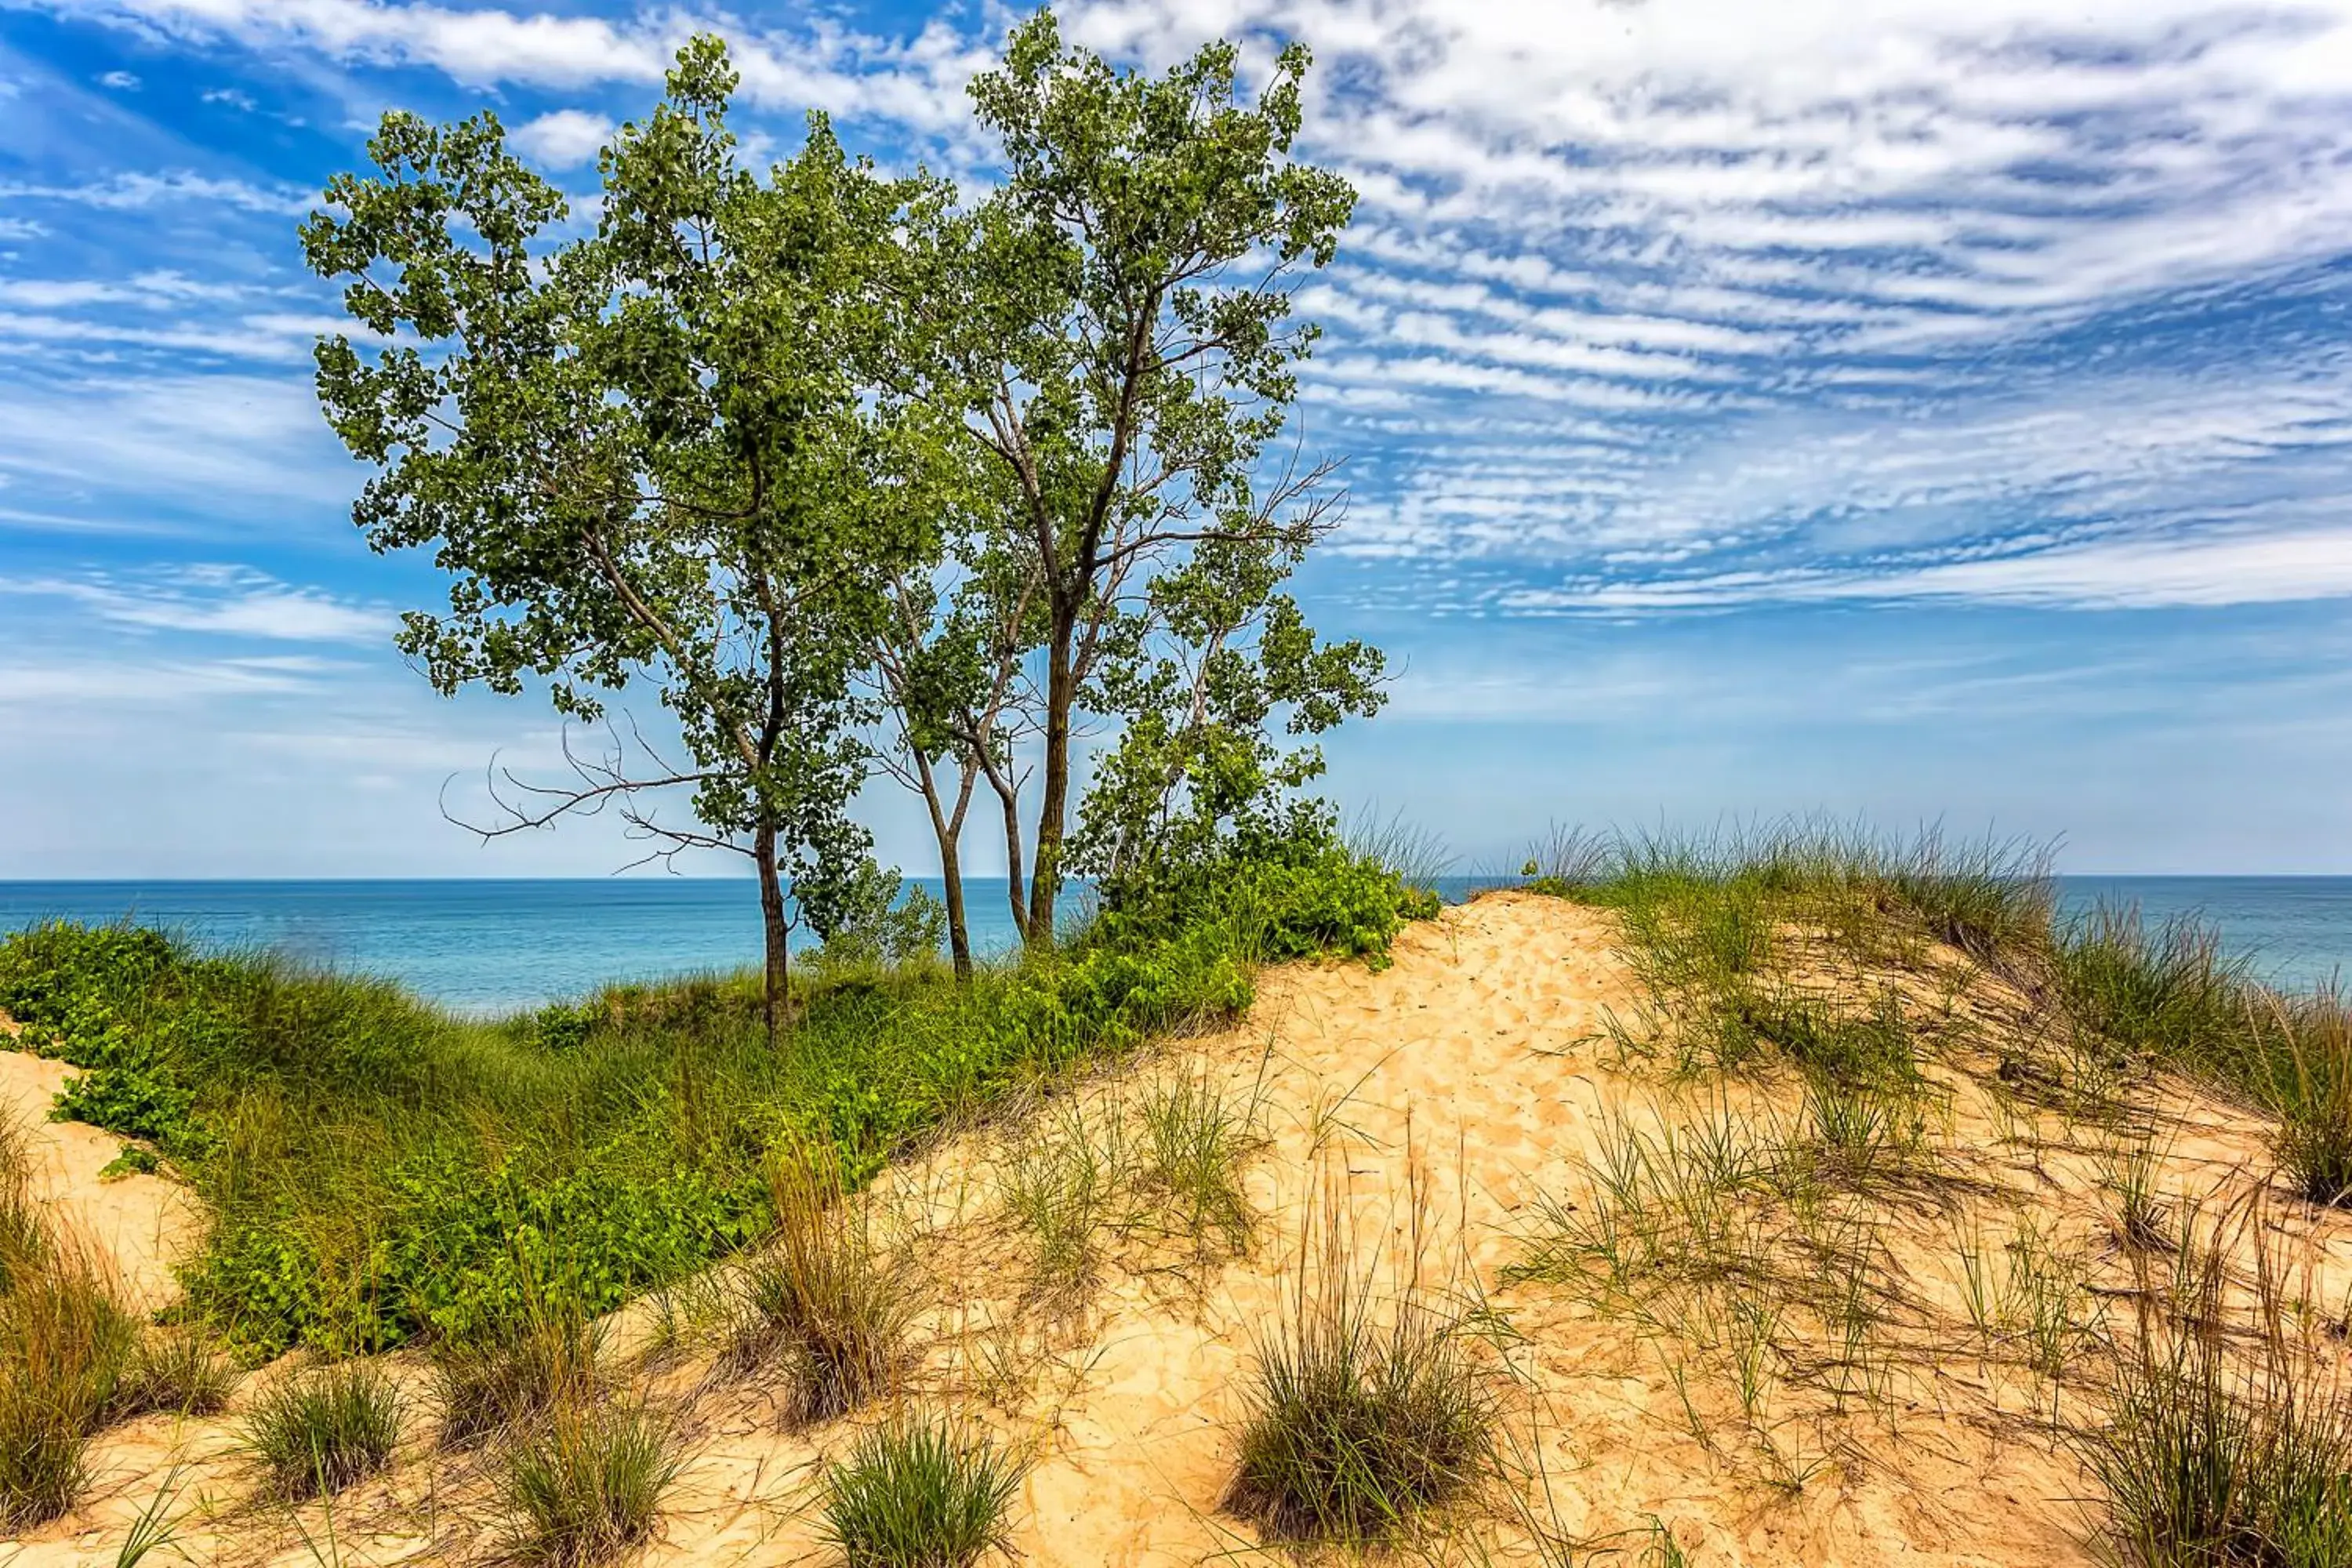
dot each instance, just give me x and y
(849, 472)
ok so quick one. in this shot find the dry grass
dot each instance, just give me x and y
(1364, 1409)
(825, 1298)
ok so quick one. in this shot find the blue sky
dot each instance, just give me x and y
(1747, 410)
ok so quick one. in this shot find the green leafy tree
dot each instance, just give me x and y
(1211, 665)
(1109, 340)
(646, 454)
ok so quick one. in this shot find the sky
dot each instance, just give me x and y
(1941, 417)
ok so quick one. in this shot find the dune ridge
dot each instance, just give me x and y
(1455, 1105)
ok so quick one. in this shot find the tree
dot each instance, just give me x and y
(1207, 664)
(645, 453)
(1110, 333)
(950, 665)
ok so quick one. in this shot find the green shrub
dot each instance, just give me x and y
(380, 1174)
(558, 1028)
(920, 1494)
(587, 1483)
(316, 1433)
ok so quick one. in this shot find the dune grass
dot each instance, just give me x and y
(1198, 1134)
(920, 1494)
(314, 1432)
(381, 1173)
(586, 1483)
(1750, 949)
(2225, 1451)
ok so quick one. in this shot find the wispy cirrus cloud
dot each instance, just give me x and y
(1768, 335)
(215, 600)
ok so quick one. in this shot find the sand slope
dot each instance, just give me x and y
(147, 1222)
(1473, 1072)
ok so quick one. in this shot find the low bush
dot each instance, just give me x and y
(921, 1494)
(587, 1483)
(315, 1432)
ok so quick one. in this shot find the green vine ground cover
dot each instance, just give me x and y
(379, 1171)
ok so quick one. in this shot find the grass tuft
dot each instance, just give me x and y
(587, 1483)
(317, 1432)
(179, 1369)
(496, 1381)
(824, 1295)
(1356, 1420)
(2222, 1454)
(1067, 1182)
(2311, 1094)
(1197, 1135)
(921, 1494)
(67, 1347)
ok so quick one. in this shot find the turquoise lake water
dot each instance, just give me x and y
(486, 946)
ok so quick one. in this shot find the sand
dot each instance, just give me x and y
(1460, 1085)
(148, 1223)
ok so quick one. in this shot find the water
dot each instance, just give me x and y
(2295, 931)
(487, 946)
(478, 946)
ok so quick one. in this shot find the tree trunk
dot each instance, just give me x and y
(776, 999)
(952, 884)
(1061, 696)
(1016, 884)
(949, 830)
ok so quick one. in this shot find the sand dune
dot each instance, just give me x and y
(1454, 1089)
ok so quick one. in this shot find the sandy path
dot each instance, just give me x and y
(1478, 1058)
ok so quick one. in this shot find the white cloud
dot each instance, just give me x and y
(120, 81)
(162, 683)
(131, 192)
(2192, 570)
(248, 450)
(564, 139)
(918, 81)
(213, 600)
